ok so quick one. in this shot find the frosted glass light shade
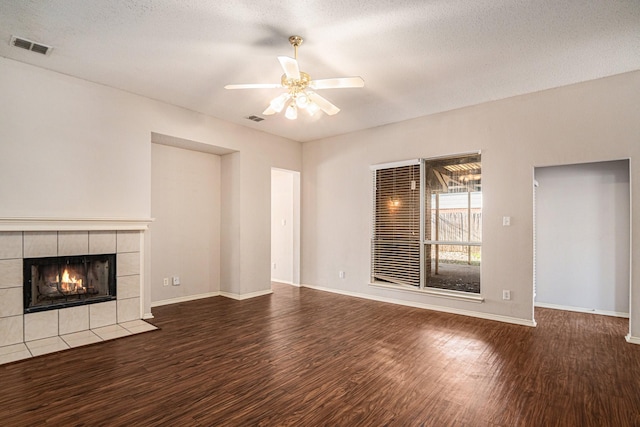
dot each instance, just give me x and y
(277, 104)
(292, 112)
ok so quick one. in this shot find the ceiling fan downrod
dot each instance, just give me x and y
(295, 42)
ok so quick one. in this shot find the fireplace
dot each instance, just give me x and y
(66, 281)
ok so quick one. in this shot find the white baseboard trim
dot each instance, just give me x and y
(241, 297)
(486, 316)
(582, 310)
(285, 282)
(632, 340)
(207, 295)
(147, 316)
(183, 299)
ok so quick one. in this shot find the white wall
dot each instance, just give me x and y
(588, 122)
(48, 120)
(230, 230)
(185, 235)
(582, 236)
(69, 148)
(281, 226)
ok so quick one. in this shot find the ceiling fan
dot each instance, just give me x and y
(300, 94)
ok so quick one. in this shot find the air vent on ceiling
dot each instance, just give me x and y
(30, 45)
(255, 118)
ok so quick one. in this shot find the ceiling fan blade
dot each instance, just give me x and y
(290, 67)
(254, 86)
(269, 111)
(324, 104)
(340, 82)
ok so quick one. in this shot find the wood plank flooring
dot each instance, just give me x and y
(302, 357)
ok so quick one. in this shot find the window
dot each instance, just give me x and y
(427, 223)
(453, 232)
(396, 225)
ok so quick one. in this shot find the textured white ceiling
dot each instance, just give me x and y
(417, 57)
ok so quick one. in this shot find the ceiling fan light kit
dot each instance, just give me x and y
(298, 85)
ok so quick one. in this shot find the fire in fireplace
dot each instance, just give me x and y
(58, 282)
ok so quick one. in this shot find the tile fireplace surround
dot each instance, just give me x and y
(26, 335)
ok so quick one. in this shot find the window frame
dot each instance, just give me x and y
(423, 288)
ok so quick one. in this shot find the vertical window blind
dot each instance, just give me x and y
(396, 225)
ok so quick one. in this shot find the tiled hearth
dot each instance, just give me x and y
(33, 334)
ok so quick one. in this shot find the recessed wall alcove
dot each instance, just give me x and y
(26, 334)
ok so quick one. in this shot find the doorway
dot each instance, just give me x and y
(582, 237)
(285, 226)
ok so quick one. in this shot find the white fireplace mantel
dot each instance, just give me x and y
(74, 224)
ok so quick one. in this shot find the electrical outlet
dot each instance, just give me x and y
(506, 221)
(341, 274)
(176, 280)
(506, 295)
(165, 281)
(274, 265)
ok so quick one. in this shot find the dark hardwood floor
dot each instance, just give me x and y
(302, 357)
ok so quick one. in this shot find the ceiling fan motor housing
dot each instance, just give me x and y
(294, 85)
